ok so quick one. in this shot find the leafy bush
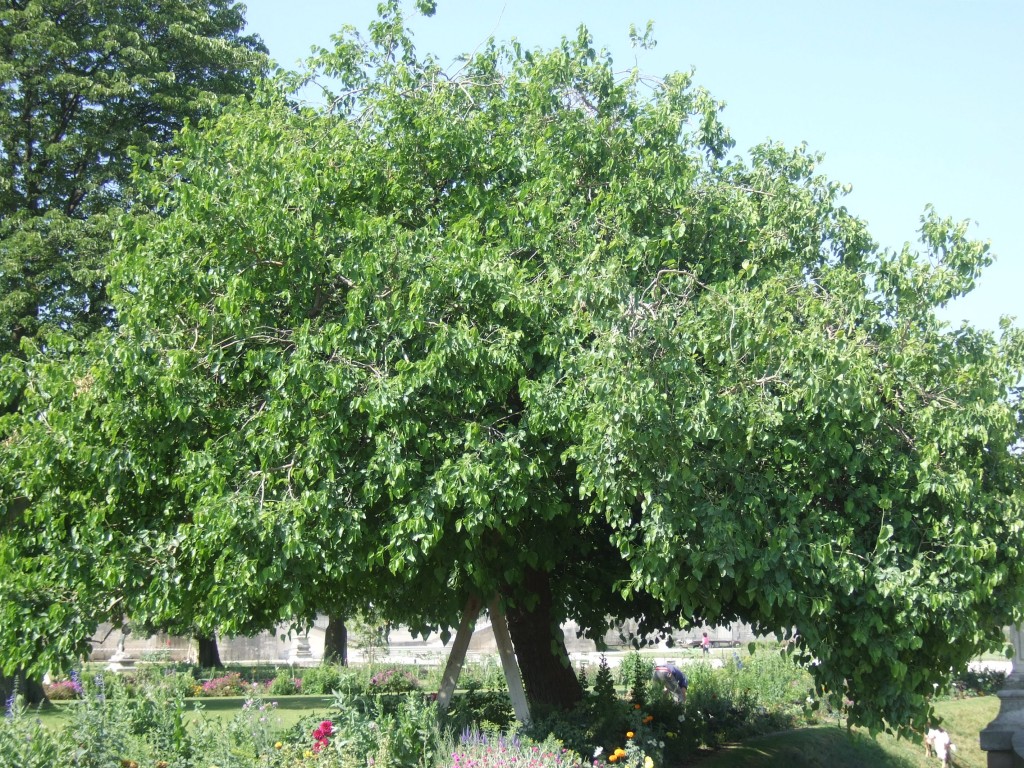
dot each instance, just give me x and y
(773, 678)
(411, 734)
(101, 725)
(486, 674)
(406, 735)
(635, 673)
(249, 734)
(230, 684)
(158, 715)
(324, 679)
(24, 742)
(392, 680)
(285, 684)
(978, 682)
(172, 679)
(63, 690)
(575, 729)
(476, 708)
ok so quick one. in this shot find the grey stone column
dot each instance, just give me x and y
(301, 655)
(1003, 738)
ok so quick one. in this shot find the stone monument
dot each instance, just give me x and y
(1003, 738)
(302, 654)
(121, 659)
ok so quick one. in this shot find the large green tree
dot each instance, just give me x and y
(85, 87)
(82, 84)
(527, 330)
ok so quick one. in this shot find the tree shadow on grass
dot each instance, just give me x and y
(820, 747)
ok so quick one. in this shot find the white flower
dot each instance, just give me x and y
(598, 751)
(661, 745)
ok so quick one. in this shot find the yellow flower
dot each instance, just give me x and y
(278, 745)
(308, 753)
(629, 734)
(612, 757)
(648, 762)
(620, 752)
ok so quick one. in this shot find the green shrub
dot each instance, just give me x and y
(393, 680)
(476, 708)
(63, 690)
(772, 676)
(158, 716)
(978, 682)
(171, 680)
(230, 684)
(324, 679)
(285, 684)
(486, 674)
(249, 734)
(413, 733)
(635, 674)
(25, 742)
(101, 725)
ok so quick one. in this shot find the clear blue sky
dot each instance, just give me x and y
(912, 101)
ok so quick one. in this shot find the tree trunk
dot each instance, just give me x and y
(30, 688)
(209, 655)
(336, 641)
(548, 675)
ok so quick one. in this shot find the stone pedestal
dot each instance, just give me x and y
(1003, 738)
(120, 660)
(302, 654)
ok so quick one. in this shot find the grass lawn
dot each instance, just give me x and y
(289, 710)
(832, 747)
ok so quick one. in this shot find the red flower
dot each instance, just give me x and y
(327, 727)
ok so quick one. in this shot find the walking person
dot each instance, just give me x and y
(705, 644)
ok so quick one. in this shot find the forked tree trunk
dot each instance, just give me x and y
(548, 675)
(209, 654)
(336, 641)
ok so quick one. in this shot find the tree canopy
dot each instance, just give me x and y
(528, 329)
(82, 84)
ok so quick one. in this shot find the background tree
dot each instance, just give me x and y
(336, 640)
(83, 85)
(527, 331)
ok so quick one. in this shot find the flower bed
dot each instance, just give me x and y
(145, 718)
